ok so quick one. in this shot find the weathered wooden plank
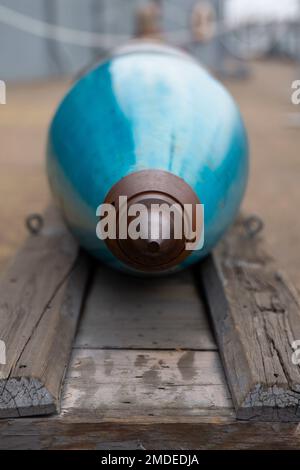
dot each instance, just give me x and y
(121, 384)
(40, 300)
(256, 316)
(204, 433)
(160, 313)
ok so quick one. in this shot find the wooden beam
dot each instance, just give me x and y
(201, 433)
(40, 302)
(256, 317)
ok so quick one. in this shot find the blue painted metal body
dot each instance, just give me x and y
(154, 109)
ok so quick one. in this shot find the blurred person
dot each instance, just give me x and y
(148, 21)
(203, 21)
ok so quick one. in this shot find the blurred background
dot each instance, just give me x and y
(253, 47)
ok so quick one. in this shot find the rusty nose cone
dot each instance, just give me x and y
(154, 209)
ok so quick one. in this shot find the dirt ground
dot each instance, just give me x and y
(274, 187)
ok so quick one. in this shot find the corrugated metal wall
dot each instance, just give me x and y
(24, 56)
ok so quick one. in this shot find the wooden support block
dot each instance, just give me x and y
(40, 301)
(256, 317)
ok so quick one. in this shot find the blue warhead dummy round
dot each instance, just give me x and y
(148, 160)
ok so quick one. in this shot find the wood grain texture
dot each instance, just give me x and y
(40, 300)
(131, 313)
(122, 384)
(144, 348)
(256, 316)
(203, 433)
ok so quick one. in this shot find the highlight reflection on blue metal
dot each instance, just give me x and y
(149, 108)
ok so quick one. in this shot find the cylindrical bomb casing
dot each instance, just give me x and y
(147, 110)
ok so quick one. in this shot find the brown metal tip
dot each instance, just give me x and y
(151, 187)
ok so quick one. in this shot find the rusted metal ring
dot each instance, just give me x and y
(146, 187)
(253, 226)
(34, 223)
